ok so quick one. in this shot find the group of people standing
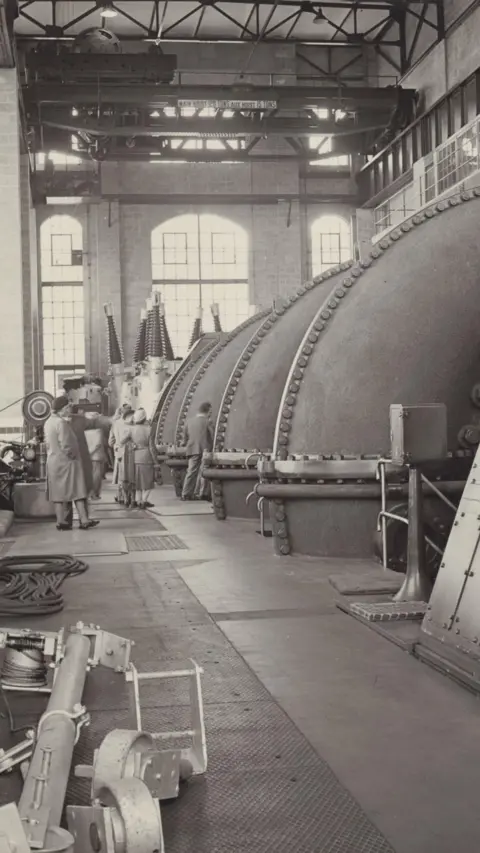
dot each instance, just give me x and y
(77, 459)
(134, 468)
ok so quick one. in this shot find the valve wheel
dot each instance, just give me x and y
(136, 820)
(119, 756)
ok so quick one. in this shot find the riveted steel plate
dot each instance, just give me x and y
(389, 611)
(167, 542)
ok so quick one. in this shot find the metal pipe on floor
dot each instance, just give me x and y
(46, 781)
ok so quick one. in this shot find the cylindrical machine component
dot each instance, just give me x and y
(343, 491)
(46, 781)
(42, 460)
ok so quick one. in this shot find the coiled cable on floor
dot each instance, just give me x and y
(30, 585)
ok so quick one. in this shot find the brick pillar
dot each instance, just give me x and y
(12, 374)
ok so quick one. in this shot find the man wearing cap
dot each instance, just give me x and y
(65, 475)
(199, 438)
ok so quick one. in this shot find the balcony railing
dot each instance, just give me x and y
(446, 168)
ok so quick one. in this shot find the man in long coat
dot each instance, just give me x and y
(65, 475)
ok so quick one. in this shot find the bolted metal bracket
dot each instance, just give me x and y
(128, 820)
(108, 650)
(161, 773)
(92, 828)
(194, 757)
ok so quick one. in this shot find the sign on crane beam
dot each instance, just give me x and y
(228, 104)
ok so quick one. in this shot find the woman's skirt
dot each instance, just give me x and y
(128, 467)
(144, 477)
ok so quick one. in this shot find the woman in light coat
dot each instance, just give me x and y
(65, 475)
(115, 442)
(138, 435)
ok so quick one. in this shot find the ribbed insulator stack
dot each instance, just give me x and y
(215, 309)
(148, 329)
(156, 348)
(139, 353)
(114, 350)
(166, 342)
(197, 330)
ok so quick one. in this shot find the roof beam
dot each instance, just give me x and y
(218, 128)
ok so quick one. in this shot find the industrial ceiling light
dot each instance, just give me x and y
(319, 16)
(107, 10)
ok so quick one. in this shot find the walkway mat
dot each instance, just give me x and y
(374, 582)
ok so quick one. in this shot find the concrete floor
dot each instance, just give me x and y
(401, 738)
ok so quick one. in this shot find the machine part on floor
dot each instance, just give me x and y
(30, 585)
(41, 802)
(28, 659)
(12, 834)
(17, 754)
(193, 758)
(124, 754)
(107, 649)
(129, 822)
(417, 585)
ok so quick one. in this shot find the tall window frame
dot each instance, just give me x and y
(199, 259)
(331, 242)
(62, 299)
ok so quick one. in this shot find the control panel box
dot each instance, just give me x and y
(418, 433)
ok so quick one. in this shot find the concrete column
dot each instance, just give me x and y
(364, 232)
(31, 343)
(103, 248)
(12, 375)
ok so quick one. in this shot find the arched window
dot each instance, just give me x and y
(331, 243)
(198, 260)
(63, 324)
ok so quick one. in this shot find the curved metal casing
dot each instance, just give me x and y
(248, 412)
(401, 327)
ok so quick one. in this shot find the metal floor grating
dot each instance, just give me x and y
(266, 789)
(389, 611)
(166, 542)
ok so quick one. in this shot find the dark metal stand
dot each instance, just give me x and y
(417, 586)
